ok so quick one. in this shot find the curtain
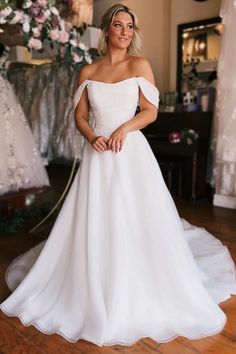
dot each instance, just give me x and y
(224, 135)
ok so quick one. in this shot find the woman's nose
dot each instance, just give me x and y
(124, 30)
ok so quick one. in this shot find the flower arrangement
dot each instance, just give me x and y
(189, 136)
(40, 20)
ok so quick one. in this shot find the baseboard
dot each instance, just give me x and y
(225, 201)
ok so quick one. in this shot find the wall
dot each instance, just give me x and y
(158, 21)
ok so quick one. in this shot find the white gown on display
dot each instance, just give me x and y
(119, 264)
(21, 166)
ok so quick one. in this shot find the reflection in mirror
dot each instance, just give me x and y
(198, 54)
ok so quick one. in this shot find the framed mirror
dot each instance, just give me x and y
(198, 54)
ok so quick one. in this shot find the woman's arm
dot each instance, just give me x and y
(99, 143)
(148, 112)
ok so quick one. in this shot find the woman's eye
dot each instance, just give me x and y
(117, 25)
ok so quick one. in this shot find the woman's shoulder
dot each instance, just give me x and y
(140, 66)
(87, 71)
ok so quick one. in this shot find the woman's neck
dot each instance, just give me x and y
(114, 57)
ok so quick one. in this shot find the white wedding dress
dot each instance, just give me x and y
(21, 166)
(119, 264)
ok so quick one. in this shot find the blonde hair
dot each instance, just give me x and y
(108, 17)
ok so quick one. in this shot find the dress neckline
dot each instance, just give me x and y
(115, 83)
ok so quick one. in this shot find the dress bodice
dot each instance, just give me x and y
(112, 104)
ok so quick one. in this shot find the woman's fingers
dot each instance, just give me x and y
(100, 143)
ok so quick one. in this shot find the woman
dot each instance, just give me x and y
(21, 166)
(117, 266)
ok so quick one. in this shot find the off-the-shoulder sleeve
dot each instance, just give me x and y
(79, 92)
(149, 91)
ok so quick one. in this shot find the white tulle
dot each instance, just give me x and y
(120, 264)
(21, 166)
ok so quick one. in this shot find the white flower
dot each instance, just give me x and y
(73, 42)
(77, 58)
(26, 27)
(6, 12)
(2, 21)
(88, 58)
(27, 4)
(47, 13)
(54, 11)
(82, 46)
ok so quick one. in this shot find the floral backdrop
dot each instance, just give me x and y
(39, 20)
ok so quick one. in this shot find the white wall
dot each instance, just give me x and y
(158, 21)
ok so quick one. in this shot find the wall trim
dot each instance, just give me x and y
(225, 201)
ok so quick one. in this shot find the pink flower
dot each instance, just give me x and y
(36, 31)
(41, 18)
(175, 137)
(17, 17)
(42, 2)
(68, 26)
(35, 43)
(54, 35)
(77, 58)
(64, 37)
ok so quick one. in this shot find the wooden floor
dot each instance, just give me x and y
(17, 339)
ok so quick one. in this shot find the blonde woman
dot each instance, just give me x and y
(117, 266)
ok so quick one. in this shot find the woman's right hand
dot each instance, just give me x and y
(99, 143)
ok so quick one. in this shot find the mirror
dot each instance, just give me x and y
(198, 54)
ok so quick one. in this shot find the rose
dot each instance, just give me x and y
(27, 4)
(64, 37)
(2, 21)
(37, 31)
(74, 42)
(42, 2)
(54, 35)
(88, 58)
(35, 11)
(35, 43)
(26, 27)
(41, 18)
(6, 12)
(54, 11)
(17, 17)
(77, 58)
(82, 46)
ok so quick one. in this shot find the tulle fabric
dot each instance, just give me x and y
(20, 161)
(119, 264)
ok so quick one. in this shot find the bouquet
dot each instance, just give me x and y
(189, 136)
(40, 20)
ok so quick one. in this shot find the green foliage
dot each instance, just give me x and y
(10, 224)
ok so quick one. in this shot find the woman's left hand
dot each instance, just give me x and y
(117, 138)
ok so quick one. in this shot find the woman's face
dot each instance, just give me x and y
(121, 31)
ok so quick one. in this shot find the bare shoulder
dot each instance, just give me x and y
(87, 71)
(141, 67)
